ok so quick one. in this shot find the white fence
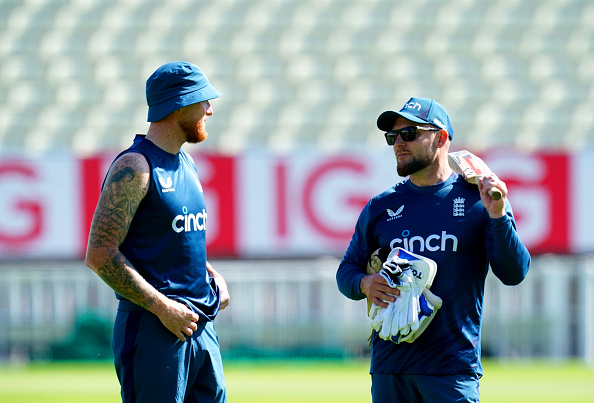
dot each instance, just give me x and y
(293, 307)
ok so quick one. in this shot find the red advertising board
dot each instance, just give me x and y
(39, 207)
(300, 204)
(540, 196)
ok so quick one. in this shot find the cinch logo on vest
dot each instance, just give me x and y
(432, 243)
(189, 222)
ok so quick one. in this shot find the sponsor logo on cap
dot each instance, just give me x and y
(413, 105)
(438, 123)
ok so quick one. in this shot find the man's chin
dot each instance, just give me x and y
(197, 138)
(405, 170)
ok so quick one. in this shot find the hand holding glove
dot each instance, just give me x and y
(407, 318)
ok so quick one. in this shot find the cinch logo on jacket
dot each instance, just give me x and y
(189, 222)
(432, 243)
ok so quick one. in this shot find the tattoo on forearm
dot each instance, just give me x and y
(125, 281)
(122, 193)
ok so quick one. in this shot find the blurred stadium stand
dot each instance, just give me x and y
(307, 73)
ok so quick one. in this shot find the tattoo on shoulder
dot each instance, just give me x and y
(124, 189)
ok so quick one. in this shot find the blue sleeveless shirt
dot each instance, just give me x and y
(166, 242)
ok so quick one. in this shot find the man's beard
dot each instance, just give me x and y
(195, 132)
(418, 163)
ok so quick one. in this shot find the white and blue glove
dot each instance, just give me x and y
(405, 319)
(429, 303)
(396, 278)
(389, 321)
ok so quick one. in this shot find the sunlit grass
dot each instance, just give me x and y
(289, 381)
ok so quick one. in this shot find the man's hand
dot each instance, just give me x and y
(376, 289)
(224, 291)
(177, 318)
(495, 208)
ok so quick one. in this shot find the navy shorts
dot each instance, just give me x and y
(404, 388)
(153, 365)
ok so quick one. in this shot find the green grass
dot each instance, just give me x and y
(537, 381)
(296, 381)
(59, 382)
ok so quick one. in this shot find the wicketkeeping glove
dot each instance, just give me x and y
(407, 318)
(388, 321)
(429, 303)
(423, 302)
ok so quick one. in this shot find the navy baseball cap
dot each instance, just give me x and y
(419, 110)
(175, 85)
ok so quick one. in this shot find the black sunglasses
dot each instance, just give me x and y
(407, 134)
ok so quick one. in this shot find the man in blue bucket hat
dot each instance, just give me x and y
(148, 243)
(426, 344)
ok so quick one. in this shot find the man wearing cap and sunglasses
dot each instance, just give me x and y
(148, 243)
(445, 219)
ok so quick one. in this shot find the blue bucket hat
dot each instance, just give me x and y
(419, 110)
(175, 85)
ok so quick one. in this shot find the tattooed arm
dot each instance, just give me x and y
(126, 185)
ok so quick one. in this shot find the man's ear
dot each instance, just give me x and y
(442, 138)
